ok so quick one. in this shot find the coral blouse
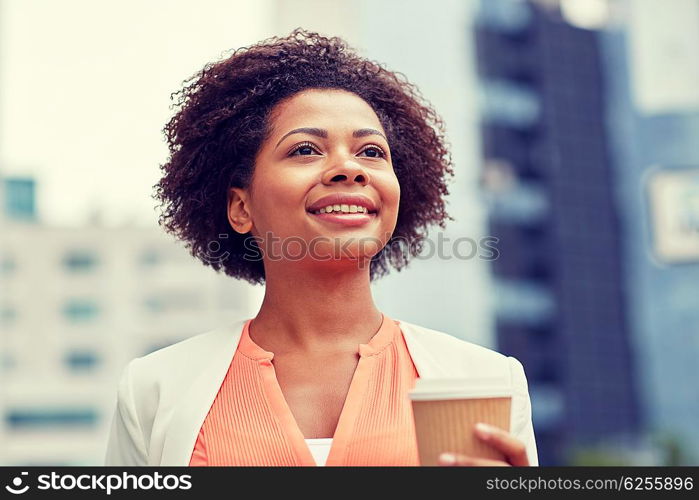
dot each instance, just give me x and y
(250, 423)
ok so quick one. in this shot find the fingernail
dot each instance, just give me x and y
(484, 430)
(447, 458)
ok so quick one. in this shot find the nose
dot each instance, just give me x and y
(347, 172)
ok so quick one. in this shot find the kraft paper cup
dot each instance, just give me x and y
(446, 411)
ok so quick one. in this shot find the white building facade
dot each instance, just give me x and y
(76, 305)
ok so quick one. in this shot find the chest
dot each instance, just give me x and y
(316, 390)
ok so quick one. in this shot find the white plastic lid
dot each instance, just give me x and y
(428, 389)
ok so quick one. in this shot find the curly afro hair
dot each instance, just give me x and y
(221, 121)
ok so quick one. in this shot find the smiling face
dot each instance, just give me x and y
(323, 142)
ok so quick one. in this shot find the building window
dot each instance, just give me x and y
(79, 261)
(82, 361)
(507, 16)
(8, 314)
(508, 103)
(150, 258)
(526, 302)
(7, 265)
(80, 310)
(35, 418)
(172, 301)
(510, 198)
(154, 304)
(547, 405)
(19, 199)
(7, 362)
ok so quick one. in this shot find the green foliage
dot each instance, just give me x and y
(662, 448)
(599, 455)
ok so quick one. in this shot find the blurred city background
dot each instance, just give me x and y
(574, 129)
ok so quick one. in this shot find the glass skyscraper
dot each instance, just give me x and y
(549, 178)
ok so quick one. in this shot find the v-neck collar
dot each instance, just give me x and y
(353, 400)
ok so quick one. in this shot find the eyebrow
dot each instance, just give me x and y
(321, 132)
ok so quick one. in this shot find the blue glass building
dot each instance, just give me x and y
(662, 296)
(549, 177)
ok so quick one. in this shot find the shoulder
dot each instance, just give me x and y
(190, 350)
(442, 340)
(454, 355)
(169, 369)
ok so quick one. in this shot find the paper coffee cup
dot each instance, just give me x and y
(446, 411)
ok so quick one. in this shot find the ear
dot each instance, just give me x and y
(238, 213)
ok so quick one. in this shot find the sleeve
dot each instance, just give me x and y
(522, 427)
(125, 446)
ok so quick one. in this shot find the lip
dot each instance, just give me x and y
(347, 220)
(343, 199)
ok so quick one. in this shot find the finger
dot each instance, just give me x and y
(513, 449)
(456, 460)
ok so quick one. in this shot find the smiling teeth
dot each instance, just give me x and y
(345, 209)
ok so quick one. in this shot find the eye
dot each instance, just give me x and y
(303, 149)
(307, 149)
(377, 151)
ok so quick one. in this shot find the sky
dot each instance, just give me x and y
(85, 92)
(85, 88)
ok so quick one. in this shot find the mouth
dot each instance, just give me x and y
(343, 209)
(345, 215)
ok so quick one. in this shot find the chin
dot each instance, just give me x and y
(350, 248)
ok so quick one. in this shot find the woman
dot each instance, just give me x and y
(296, 163)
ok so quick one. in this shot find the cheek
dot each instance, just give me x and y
(390, 198)
(279, 196)
(390, 194)
(277, 185)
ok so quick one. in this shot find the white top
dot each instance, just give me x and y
(320, 448)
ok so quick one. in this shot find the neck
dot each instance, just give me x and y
(319, 309)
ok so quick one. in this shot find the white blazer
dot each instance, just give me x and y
(164, 397)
